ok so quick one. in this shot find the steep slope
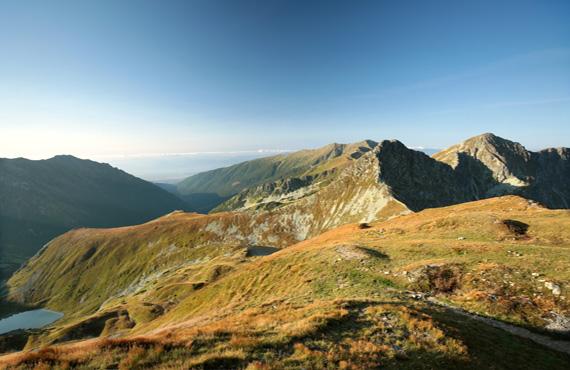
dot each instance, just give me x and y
(550, 185)
(481, 167)
(217, 185)
(391, 179)
(42, 199)
(351, 297)
(90, 266)
(388, 175)
(491, 166)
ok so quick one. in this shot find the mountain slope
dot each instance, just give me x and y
(42, 199)
(491, 166)
(222, 183)
(388, 180)
(389, 174)
(349, 297)
(481, 167)
(91, 266)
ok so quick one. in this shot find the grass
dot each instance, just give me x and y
(349, 334)
(230, 180)
(336, 301)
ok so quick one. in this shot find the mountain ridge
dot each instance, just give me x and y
(222, 183)
(482, 166)
(350, 233)
(41, 199)
(201, 189)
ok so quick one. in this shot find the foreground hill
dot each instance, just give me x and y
(42, 199)
(393, 294)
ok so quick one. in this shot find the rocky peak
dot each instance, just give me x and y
(416, 179)
(480, 167)
(502, 160)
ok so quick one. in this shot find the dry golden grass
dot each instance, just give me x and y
(302, 306)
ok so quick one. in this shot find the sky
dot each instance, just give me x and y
(141, 78)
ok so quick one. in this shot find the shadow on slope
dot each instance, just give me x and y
(324, 334)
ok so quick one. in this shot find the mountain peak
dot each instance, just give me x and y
(367, 143)
(64, 156)
(392, 144)
(487, 144)
(487, 138)
(495, 158)
(484, 136)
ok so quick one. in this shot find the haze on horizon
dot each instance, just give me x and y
(107, 79)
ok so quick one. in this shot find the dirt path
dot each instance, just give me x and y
(557, 345)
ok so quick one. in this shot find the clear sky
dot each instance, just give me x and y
(105, 78)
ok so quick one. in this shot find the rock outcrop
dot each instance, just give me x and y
(491, 166)
(481, 167)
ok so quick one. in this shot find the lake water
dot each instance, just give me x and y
(29, 320)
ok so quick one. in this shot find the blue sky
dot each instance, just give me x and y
(105, 78)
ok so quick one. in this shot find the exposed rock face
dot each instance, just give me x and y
(506, 161)
(417, 180)
(391, 179)
(273, 194)
(491, 166)
(228, 181)
(551, 185)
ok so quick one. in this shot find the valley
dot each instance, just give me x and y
(284, 185)
(374, 254)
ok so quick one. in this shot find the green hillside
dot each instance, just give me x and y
(222, 183)
(42, 199)
(356, 256)
(395, 293)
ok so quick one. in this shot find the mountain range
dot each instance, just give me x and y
(306, 192)
(406, 292)
(345, 256)
(480, 167)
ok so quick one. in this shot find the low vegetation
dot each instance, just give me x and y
(387, 295)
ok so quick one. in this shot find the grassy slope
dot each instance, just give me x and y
(80, 270)
(86, 267)
(337, 300)
(43, 199)
(402, 245)
(230, 180)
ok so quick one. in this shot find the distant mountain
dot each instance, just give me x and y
(42, 199)
(295, 196)
(488, 166)
(208, 189)
(481, 167)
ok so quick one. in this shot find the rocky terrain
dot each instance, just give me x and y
(349, 256)
(481, 167)
(491, 166)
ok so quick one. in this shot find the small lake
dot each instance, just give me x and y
(29, 320)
